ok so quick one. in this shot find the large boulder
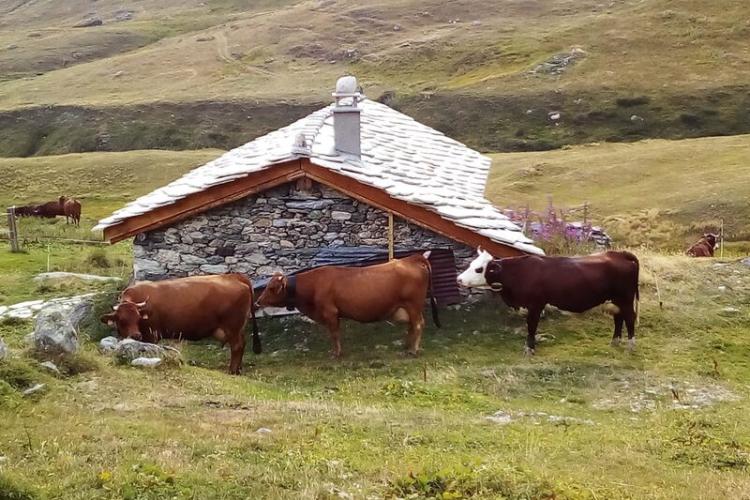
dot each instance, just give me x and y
(129, 350)
(54, 332)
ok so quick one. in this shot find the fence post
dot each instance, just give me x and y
(721, 240)
(13, 230)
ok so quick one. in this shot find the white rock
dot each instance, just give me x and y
(146, 362)
(32, 390)
(3, 350)
(108, 345)
(49, 365)
(264, 430)
(53, 331)
(59, 275)
(501, 418)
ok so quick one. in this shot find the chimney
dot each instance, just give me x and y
(346, 116)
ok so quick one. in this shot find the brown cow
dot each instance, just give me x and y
(50, 209)
(703, 247)
(395, 290)
(72, 211)
(191, 308)
(573, 284)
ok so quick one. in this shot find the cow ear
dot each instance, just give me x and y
(108, 319)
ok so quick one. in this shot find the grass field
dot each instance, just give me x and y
(579, 420)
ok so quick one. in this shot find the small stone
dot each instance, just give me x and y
(264, 430)
(146, 362)
(286, 244)
(340, 216)
(33, 390)
(90, 22)
(49, 365)
(214, 268)
(3, 350)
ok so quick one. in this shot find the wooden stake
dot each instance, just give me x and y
(13, 230)
(390, 236)
(721, 240)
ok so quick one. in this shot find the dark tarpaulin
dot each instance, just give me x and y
(441, 259)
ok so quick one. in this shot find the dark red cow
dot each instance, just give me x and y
(191, 308)
(394, 290)
(703, 247)
(573, 284)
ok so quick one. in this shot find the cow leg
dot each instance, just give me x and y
(237, 350)
(532, 322)
(416, 327)
(617, 336)
(331, 321)
(630, 324)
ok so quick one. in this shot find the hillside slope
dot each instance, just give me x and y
(619, 71)
(652, 192)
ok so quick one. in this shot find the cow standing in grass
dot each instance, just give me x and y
(573, 284)
(72, 210)
(191, 308)
(395, 290)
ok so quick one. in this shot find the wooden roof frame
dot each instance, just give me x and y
(283, 173)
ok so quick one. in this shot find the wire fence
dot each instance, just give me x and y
(12, 231)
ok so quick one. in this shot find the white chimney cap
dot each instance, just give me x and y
(346, 85)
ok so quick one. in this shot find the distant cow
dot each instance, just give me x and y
(72, 210)
(395, 290)
(703, 247)
(191, 308)
(50, 209)
(573, 284)
(25, 210)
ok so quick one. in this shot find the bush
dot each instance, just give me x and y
(11, 490)
(98, 258)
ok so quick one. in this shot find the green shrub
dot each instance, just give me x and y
(11, 490)
(98, 258)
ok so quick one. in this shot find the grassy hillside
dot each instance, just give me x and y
(652, 192)
(484, 63)
(579, 420)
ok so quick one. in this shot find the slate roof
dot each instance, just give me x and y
(406, 159)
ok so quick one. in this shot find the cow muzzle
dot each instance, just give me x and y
(496, 287)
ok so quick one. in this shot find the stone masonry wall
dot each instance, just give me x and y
(279, 230)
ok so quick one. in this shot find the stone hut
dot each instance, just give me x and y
(346, 184)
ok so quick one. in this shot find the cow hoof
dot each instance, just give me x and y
(528, 351)
(615, 342)
(411, 354)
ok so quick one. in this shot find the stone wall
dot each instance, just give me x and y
(279, 230)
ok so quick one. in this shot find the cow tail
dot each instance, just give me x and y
(433, 302)
(257, 345)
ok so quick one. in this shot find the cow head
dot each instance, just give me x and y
(474, 276)
(276, 292)
(710, 239)
(126, 317)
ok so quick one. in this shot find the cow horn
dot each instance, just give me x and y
(479, 250)
(141, 304)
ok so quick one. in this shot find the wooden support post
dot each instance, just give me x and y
(390, 236)
(721, 240)
(13, 230)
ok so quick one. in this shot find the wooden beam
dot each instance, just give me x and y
(205, 200)
(420, 216)
(390, 236)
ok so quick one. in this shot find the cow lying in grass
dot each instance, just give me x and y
(703, 247)
(573, 284)
(395, 290)
(191, 308)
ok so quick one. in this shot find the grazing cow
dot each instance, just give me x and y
(50, 209)
(191, 308)
(573, 284)
(703, 247)
(72, 211)
(395, 290)
(25, 211)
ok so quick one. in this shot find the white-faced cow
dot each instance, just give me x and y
(573, 284)
(191, 308)
(395, 290)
